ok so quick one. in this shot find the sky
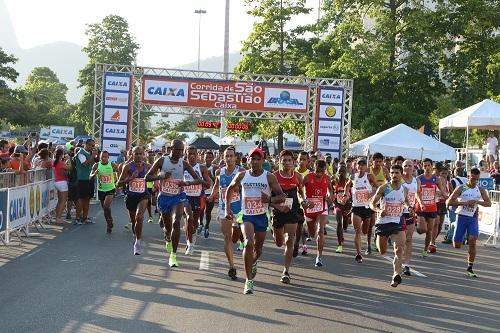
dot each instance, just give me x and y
(167, 30)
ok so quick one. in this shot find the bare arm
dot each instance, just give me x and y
(152, 173)
(279, 196)
(215, 187)
(124, 176)
(235, 184)
(95, 171)
(418, 195)
(376, 198)
(207, 181)
(442, 188)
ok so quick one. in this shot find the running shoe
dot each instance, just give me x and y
(304, 249)
(79, 221)
(190, 250)
(368, 251)
(206, 233)
(359, 258)
(308, 239)
(89, 220)
(150, 220)
(109, 228)
(340, 249)
(324, 232)
(248, 287)
(172, 261)
(406, 270)
(68, 216)
(254, 270)
(319, 262)
(232, 273)
(396, 280)
(432, 248)
(137, 247)
(241, 246)
(199, 230)
(285, 278)
(168, 246)
(470, 273)
(425, 254)
(128, 225)
(295, 251)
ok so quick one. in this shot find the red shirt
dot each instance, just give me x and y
(428, 187)
(317, 187)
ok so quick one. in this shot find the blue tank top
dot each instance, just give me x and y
(137, 182)
(224, 182)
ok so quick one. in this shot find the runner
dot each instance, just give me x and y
(391, 197)
(441, 203)
(380, 173)
(136, 198)
(301, 233)
(425, 205)
(209, 206)
(342, 206)
(360, 188)
(171, 199)
(468, 197)
(104, 170)
(230, 228)
(285, 215)
(319, 192)
(195, 197)
(256, 188)
(150, 187)
(410, 183)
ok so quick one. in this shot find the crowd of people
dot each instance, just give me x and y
(292, 196)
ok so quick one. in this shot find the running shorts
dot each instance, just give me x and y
(132, 201)
(427, 215)
(363, 212)
(101, 195)
(441, 206)
(465, 224)
(279, 220)
(194, 202)
(313, 217)
(260, 222)
(408, 218)
(388, 229)
(85, 189)
(166, 203)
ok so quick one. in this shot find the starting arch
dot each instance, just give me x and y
(123, 93)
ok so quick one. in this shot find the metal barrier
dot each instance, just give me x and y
(10, 179)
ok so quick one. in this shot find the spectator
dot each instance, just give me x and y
(495, 174)
(61, 170)
(42, 160)
(4, 149)
(491, 149)
(121, 158)
(4, 162)
(84, 160)
(19, 162)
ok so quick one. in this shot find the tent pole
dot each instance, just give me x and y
(439, 134)
(467, 148)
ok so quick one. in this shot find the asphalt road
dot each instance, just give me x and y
(78, 279)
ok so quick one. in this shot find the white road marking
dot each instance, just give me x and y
(412, 270)
(31, 254)
(205, 260)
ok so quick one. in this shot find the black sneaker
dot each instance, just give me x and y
(232, 273)
(406, 271)
(359, 258)
(285, 278)
(109, 228)
(396, 280)
(324, 232)
(368, 251)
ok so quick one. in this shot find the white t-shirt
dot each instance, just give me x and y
(491, 144)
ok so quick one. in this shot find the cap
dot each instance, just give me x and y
(20, 149)
(257, 151)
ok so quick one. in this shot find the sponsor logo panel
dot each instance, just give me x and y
(333, 112)
(328, 142)
(331, 96)
(114, 131)
(165, 91)
(113, 146)
(120, 83)
(116, 99)
(62, 132)
(115, 115)
(329, 127)
(283, 98)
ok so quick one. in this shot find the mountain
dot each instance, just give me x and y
(214, 64)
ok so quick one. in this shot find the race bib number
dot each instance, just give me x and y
(254, 206)
(340, 197)
(193, 190)
(411, 198)
(137, 185)
(318, 205)
(362, 197)
(428, 195)
(106, 179)
(393, 209)
(169, 186)
(287, 203)
(236, 196)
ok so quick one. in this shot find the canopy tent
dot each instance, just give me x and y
(483, 115)
(205, 143)
(405, 141)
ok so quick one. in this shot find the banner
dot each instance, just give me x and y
(116, 111)
(486, 183)
(3, 210)
(44, 133)
(488, 219)
(329, 120)
(62, 132)
(18, 207)
(233, 95)
(52, 195)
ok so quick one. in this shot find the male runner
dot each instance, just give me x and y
(285, 215)
(256, 188)
(171, 199)
(361, 187)
(104, 170)
(342, 206)
(468, 197)
(381, 176)
(441, 203)
(391, 197)
(136, 199)
(301, 234)
(151, 189)
(410, 183)
(425, 205)
(209, 205)
(223, 177)
(319, 192)
(194, 195)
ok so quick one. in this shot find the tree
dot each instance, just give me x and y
(109, 42)
(7, 72)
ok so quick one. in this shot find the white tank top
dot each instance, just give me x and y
(193, 190)
(251, 192)
(392, 203)
(466, 195)
(171, 186)
(361, 191)
(412, 190)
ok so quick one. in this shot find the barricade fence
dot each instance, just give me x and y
(23, 205)
(488, 218)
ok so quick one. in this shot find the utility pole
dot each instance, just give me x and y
(282, 70)
(199, 12)
(222, 132)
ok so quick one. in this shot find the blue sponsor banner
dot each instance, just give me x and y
(3, 210)
(486, 183)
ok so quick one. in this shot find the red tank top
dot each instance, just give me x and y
(316, 187)
(428, 194)
(287, 183)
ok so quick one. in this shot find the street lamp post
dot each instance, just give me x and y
(222, 132)
(199, 12)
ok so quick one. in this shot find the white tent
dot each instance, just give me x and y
(483, 115)
(405, 141)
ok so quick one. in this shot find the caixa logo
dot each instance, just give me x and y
(122, 84)
(166, 91)
(114, 131)
(284, 98)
